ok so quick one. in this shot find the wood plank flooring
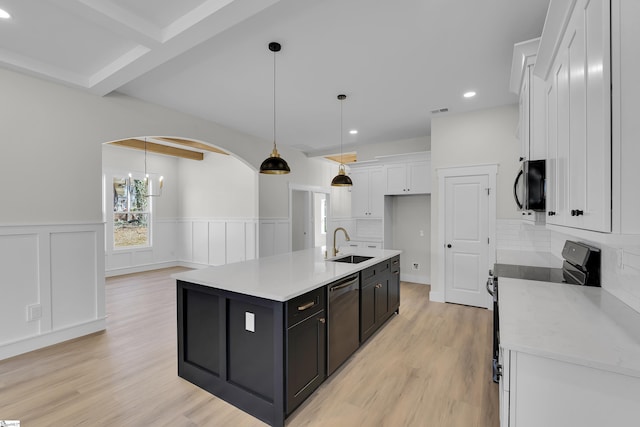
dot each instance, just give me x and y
(429, 366)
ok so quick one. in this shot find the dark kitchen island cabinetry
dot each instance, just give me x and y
(258, 339)
(379, 295)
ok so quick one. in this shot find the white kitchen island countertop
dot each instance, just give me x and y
(576, 324)
(285, 276)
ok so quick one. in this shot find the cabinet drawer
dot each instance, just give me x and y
(303, 306)
(371, 272)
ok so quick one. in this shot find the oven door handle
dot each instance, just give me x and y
(490, 285)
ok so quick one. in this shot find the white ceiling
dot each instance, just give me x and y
(396, 60)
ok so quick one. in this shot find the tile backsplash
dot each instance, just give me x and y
(620, 253)
(515, 234)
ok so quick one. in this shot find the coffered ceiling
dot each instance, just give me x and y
(396, 60)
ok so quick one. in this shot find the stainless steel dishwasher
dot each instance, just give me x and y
(344, 320)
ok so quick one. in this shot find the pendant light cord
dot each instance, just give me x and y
(274, 100)
(341, 131)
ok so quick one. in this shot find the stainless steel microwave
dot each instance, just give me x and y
(529, 188)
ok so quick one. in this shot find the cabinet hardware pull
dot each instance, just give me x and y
(551, 213)
(576, 212)
(322, 320)
(306, 306)
(395, 262)
(396, 273)
(379, 285)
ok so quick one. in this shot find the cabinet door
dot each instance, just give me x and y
(552, 150)
(381, 296)
(394, 285)
(360, 194)
(562, 152)
(524, 116)
(597, 183)
(306, 358)
(538, 114)
(376, 193)
(367, 310)
(396, 177)
(419, 175)
(577, 117)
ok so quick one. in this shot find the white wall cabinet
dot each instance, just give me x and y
(531, 90)
(538, 391)
(367, 197)
(591, 109)
(408, 178)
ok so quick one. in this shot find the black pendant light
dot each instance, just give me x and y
(342, 179)
(274, 164)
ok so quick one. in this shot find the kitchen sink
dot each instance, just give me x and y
(352, 259)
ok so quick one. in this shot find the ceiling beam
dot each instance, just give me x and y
(159, 149)
(192, 144)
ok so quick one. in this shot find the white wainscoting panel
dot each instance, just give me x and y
(19, 285)
(250, 236)
(200, 241)
(235, 242)
(185, 231)
(218, 243)
(165, 241)
(274, 237)
(74, 278)
(58, 268)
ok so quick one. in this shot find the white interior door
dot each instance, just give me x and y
(301, 220)
(466, 239)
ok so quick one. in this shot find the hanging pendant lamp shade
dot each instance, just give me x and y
(274, 164)
(342, 179)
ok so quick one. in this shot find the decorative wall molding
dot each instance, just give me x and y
(189, 242)
(275, 237)
(54, 280)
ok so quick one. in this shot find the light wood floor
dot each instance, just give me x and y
(429, 366)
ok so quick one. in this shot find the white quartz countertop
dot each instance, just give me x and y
(285, 276)
(576, 324)
(532, 258)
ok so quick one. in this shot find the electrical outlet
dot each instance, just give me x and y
(34, 312)
(415, 266)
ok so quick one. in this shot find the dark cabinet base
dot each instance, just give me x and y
(217, 353)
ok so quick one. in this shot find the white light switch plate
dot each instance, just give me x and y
(249, 321)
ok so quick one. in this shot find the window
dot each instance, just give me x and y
(131, 212)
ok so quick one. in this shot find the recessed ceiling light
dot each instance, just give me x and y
(4, 14)
(353, 131)
(469, 94)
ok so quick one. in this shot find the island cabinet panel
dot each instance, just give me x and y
(306, 346)
(218, 352)
(306, 364)
(250, 351)
(379, 296)
(202, 335)
(394, 285)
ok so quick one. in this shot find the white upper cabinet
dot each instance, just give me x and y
(578, 128)
(367, 197)
(408, 178)
(531, 89)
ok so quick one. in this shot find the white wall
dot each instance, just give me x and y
(410, 216)
(412, 145)
(479, 137)
(217, 187)
(52, 138)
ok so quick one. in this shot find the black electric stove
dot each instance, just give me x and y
(527, 272)
(581, 266)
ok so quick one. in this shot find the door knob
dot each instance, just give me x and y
(449, 245)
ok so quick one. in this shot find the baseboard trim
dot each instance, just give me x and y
(436, 296)
(140, 268)
(415, 278)
(50, 338)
